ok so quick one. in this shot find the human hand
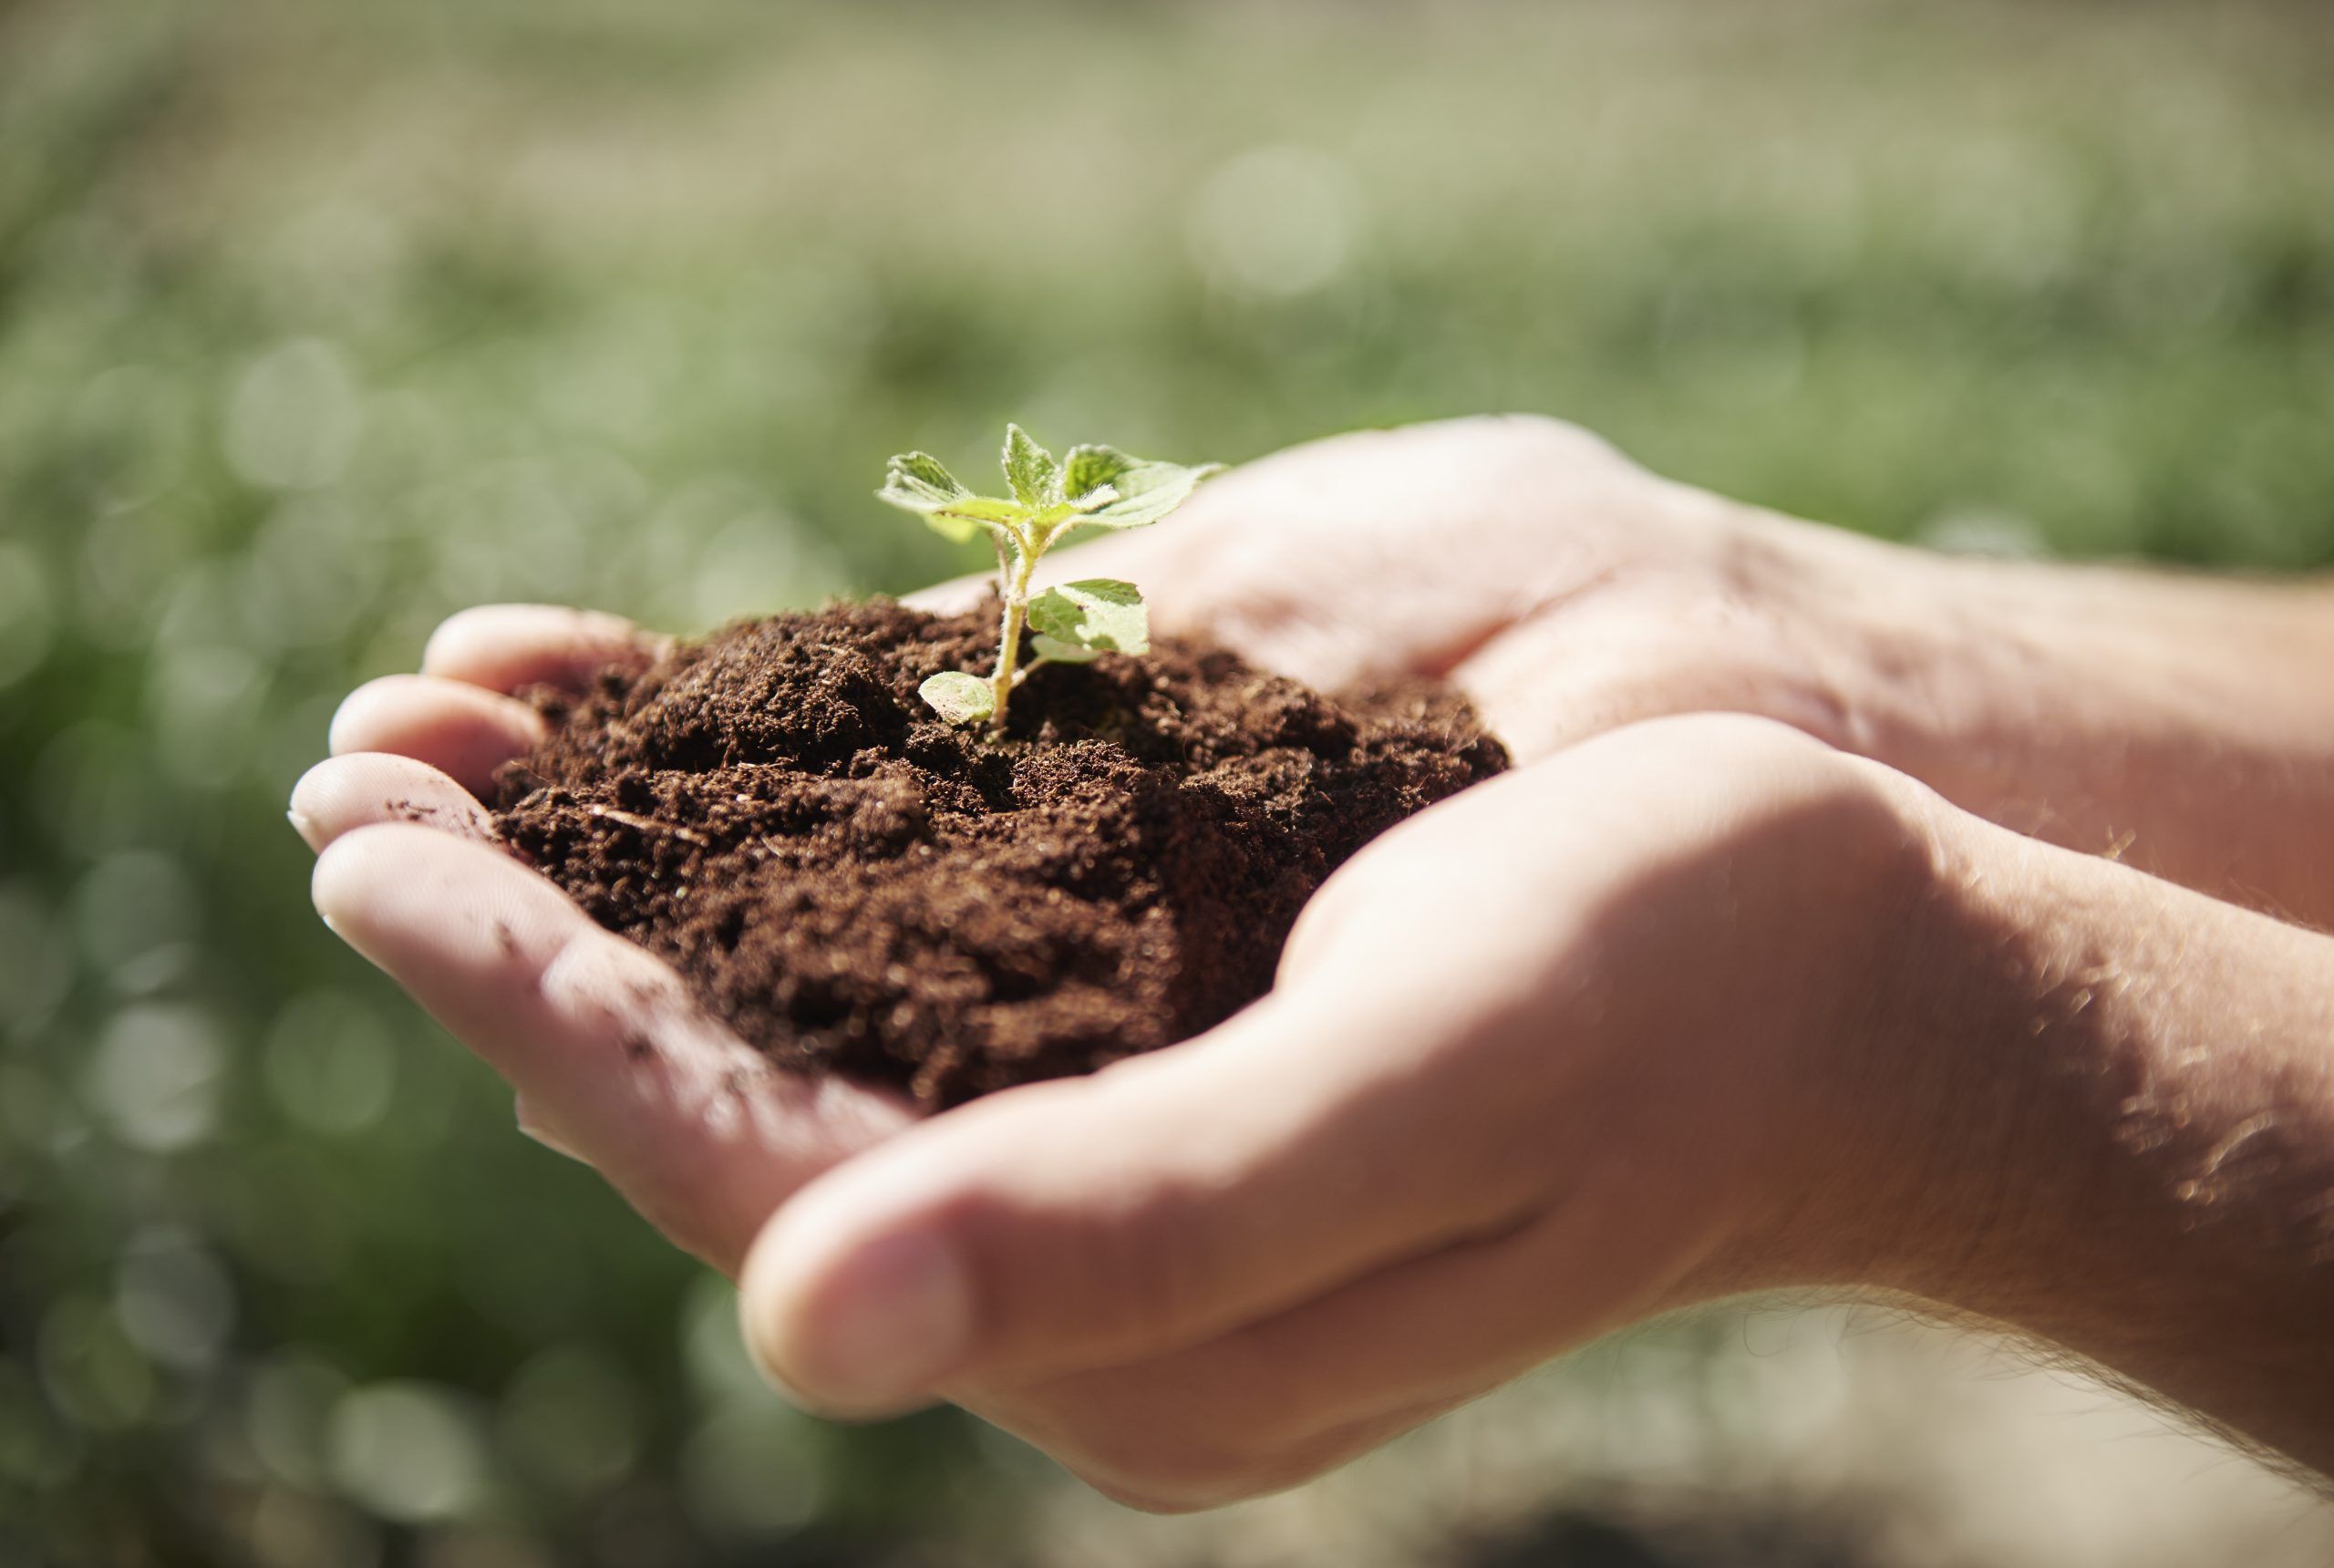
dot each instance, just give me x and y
(707, 1142)
(2181, 724)
(1565, 590)
(1251, 1235)
(1588, 1042)
(611, 1058)
(515, 971)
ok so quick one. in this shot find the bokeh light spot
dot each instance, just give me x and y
(1276, 221)
(35, 959)
(410, 1451)
(173, 1299)
(569, 1418)
(330, 1063)
(294, 417)
(154, 1078)
(27, 624)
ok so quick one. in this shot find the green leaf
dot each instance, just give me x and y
(1145, 492)
(1088, 469)
(957, 697)
(1100, 485)
(950, 527)
(1031, 471)
(1062, 652)
(1100, 614)
(920, 483)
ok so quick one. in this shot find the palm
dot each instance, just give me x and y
(1564, 589)
(1524, 560)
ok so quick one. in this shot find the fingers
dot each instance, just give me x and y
(1486, 1010)
(1625, 655)
(462, 730)
(1280, 1400)
(508, 647)
(1158, 1204)
(614, 1060)
(343, 793)
(456, 715)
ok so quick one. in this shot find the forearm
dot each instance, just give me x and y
(2125, 1129)
(2183, 725)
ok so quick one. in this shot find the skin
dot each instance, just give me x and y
(1767, 994)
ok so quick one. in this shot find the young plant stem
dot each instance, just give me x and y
(1012, 576)
(1097, 486)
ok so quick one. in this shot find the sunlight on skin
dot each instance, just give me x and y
(706, 1140)
(615, 1064)
(1492, 987)
(416, 750)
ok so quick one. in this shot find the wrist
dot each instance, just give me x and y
(1929, 1116)
(1934, 669)
(1866, 1178)
(1975, 1016)
(2180, 725)
(2120, 1132)
(1911, 659)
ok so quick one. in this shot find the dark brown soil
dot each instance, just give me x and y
(857, 888)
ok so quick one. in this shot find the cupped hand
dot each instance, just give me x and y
(1622, 1030)
(1437, 549)
(1565, 590)
(611, 1058)
(2180, 724)
(1581, 1045)
(1484, 1114)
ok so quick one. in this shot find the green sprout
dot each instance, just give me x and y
(1076, 622)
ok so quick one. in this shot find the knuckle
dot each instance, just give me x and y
(1539, 438)
(1738, 741)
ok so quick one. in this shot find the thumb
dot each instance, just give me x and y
(1156, 1204)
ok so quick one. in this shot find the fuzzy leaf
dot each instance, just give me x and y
(920, 483)
(1100, 612)
(1031, 471)
(1062, 652)
(1147, 492)
(1088, 469)
(957, 697)
(1107, 487)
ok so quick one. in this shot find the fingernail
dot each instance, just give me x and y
(899, 1320)
(304, 825)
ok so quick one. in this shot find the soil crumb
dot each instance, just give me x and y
(857, 888)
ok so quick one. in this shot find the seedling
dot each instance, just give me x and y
(1076, 622)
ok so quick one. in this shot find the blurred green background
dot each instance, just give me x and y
(318, 320)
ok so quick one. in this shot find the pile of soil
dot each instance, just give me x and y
(857, 888)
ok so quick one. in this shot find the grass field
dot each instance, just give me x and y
(319, 320)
